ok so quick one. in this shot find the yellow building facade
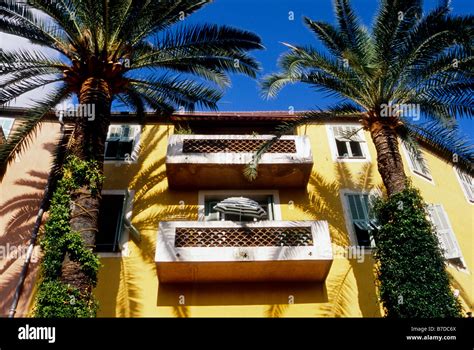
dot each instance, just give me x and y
(129, 286)
(169, 178)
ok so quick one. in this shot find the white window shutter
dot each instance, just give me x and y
(135, 132)
(417, 162)
(338, 133)
(467, 183)
(125, 132)
(359, 208)
(114, 131)
(444, 232)
(346, 133)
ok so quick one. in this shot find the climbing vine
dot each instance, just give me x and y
(54, 298)
(412, 276)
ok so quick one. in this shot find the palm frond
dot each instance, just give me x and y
(393, 20)
(444, 139)
(353, 33)
(329, 35)
(20, 60)
(178, 91)
(207, 51)
(63, 13)
(17, 18)
(12, 91)
(155, 16)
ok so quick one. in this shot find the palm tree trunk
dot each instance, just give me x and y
(87, 143)
(389, 160)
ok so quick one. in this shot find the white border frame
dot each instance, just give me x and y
(348, 219)
(408, 161)
(136, 147)
(124, 248)
(461, 185)
(332, 144)
(202, 198)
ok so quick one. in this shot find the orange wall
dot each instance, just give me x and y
(21, 191)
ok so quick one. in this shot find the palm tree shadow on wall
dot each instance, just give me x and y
(152, 203)
(20, 212)
(353, 279)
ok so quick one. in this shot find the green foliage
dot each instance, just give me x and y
(183, 130)
(54, 297)
(56, 300)
(410, 265)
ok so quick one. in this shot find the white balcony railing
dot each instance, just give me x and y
(227, 251)
(217, 161)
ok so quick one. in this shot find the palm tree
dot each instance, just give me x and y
(114, 51)
(407, 59)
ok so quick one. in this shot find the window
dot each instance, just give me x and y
(110, 223)
(445, 234)
(265, 201)
(348, 143)
(362, 224)
(467, 184)
(121, 142)
(6, 124)
(416, 162)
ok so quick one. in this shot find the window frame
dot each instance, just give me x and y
(362, 144)
(353, 240)
(135, 146)
(237, 193)
(124, 250)
(458, 173)
(427, 177)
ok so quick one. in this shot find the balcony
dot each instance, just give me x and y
(218, 161)
(228, 251)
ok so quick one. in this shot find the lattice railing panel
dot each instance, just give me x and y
(243, 237)
(235, 146)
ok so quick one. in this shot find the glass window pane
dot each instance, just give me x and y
(109, 219)
(111, 149)
(125, 148)
(356, 149)
(352, 206)
(342, 149)
(363, 237)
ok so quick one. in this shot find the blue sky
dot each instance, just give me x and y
(270, 20)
